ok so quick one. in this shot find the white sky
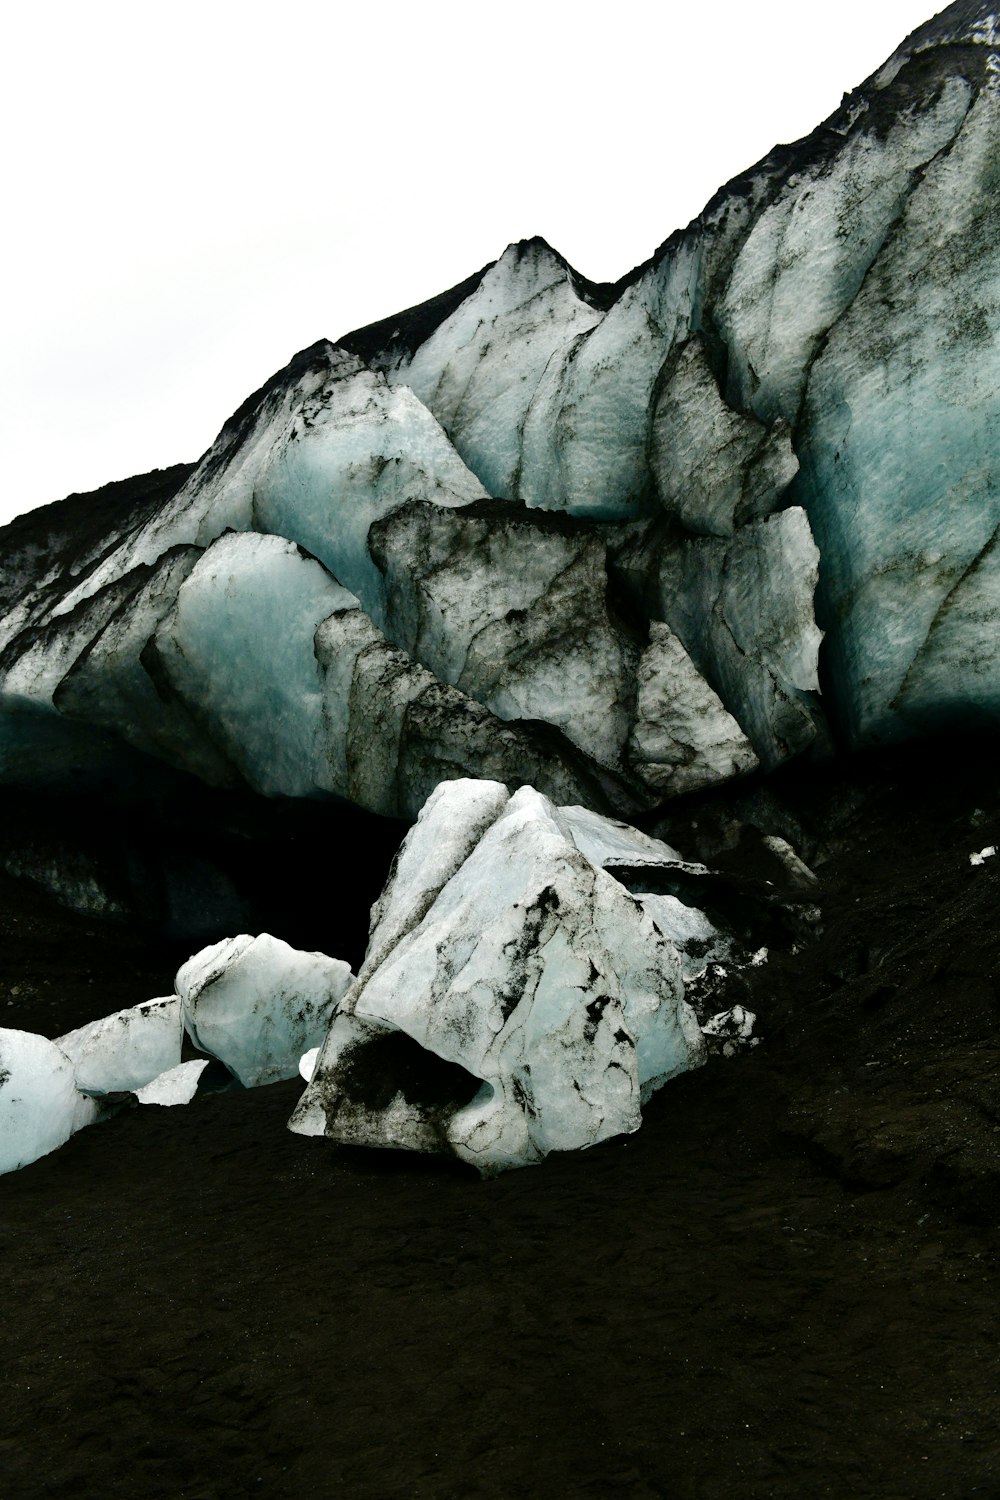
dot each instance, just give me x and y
(194, 192)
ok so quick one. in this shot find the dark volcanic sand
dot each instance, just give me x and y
(784, 1285)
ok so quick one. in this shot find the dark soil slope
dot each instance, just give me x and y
(785, 1285)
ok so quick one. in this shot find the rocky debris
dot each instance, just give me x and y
(731, 1031)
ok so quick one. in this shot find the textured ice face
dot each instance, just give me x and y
(743, 608)
(127, 1050)
(682, 737)
(392, 730)
(355, 453)
(809, 251)
(515, 1000)
(256, 1004)
(514, 613)
(901, 429)
(479, 371)
(714, 467)
(237, 652)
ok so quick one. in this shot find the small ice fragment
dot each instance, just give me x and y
(176, 1086)
(731, 1026)
(983, 855)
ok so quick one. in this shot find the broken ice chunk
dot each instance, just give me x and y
(516, 999)
(608, 844)
(125, 1050)
(983, 855)
(256, 1004)
(176, 1086)
(40, 1105)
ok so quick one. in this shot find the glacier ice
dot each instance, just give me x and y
(257, 1004)
(515, 999)
(126, 1050)
(479, 369)
(807, 255)
(316, 455)
(714, 467)
(901, 425)
(742, 606)
(237, 649)
(357, 452)
(513, 611)
(40, 1104)
(682, 737)
(610, 539)
(392, 730)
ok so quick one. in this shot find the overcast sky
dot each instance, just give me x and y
(194, 192)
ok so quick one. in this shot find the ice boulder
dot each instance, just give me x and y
(515, 999)
(257, 1004)
(126, 1050)
(40, 1104)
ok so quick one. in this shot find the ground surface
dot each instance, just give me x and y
(785, 1285)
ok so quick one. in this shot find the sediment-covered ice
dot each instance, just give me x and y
(743, 608)
(682, 737)
(714, 467)
(901, 424)
(257, 1004)
(392, 730)
(513, 611)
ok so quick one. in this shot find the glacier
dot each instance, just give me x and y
(641, 537)
(608, 544)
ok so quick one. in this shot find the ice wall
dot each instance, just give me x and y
(631, 539)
